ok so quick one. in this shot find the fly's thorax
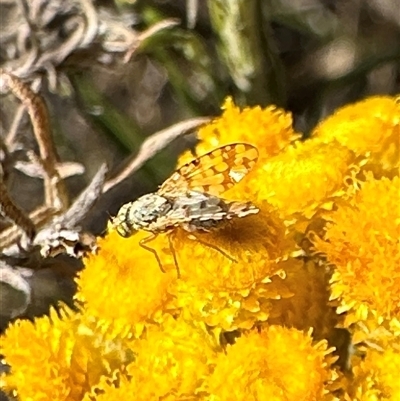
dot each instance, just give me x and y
(141, 214)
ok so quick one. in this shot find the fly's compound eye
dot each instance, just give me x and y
(120, 223)
(124, 231)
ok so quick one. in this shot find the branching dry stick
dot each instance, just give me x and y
(38, 217)
(51, 225)
(10, 140)
(84, 202)
(12, 212)
(55, 192)
(154, 144)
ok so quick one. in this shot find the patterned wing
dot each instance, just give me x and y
(213, 173)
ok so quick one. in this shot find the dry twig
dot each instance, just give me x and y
(55, 192)
(12, 212)
(152, 146)
(148, 33)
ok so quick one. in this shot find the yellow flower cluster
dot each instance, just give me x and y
(123, 287)
(362, 241)
(262, 302)
(60, 357)
(376, 136)
(276, 364)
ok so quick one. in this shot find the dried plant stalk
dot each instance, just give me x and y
(154, 144)
(55, 192)
(12, 212)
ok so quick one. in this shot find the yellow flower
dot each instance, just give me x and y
(57, 358)
(171, 363)
(270, 130)
(362, 242)
(304, 179)
(370, 127)
(376, 376)
(276, 364)
(122, 286)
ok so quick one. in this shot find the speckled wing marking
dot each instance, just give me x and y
(213, 173)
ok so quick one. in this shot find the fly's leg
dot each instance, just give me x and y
(152, 237)
(172, 249)
(232, 259)
(143, 243)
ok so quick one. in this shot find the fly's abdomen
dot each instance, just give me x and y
(200, 211)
